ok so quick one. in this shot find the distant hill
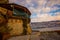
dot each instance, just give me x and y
(38, 25)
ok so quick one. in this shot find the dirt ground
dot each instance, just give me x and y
(38, 36)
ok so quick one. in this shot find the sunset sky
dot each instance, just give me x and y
(42, 10)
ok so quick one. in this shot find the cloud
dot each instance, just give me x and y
(53, 2)
(43, 9)
(12, 1)
(58, 13)
(41, 2)
(46, 9)
(45, 17)
(54, 12)
(28, 1)
(20, 2)
(56, 5)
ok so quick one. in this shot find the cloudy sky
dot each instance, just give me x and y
(42, 10)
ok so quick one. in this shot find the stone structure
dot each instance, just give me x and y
(3, 1)
(15, 20)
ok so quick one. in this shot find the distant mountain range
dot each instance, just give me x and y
(38, 25)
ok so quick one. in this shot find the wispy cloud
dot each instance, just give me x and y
(42, 10)
(45, 17)
(56, 5)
